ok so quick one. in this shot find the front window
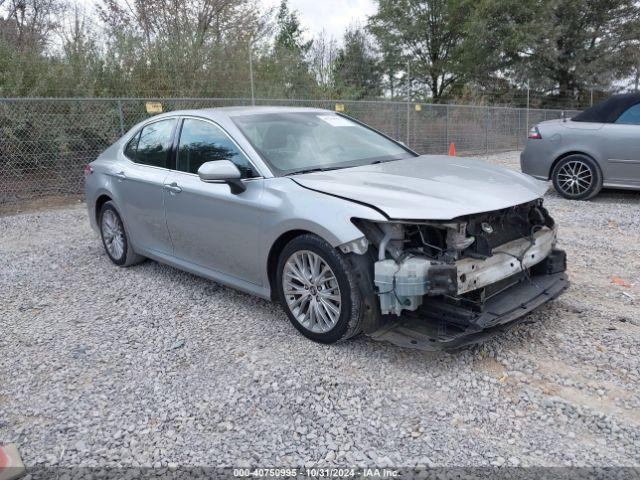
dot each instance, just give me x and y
(202, 142)
(293, 142)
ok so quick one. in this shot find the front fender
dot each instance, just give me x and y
(330, 217)
(290, 207)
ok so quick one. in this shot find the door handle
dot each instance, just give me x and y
(172, 187)
(120, 175)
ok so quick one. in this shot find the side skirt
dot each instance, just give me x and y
(219, 277)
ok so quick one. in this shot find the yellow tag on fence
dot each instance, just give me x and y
(154, 107)
(339, 107)
(418, 107)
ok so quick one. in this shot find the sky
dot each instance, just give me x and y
(332, 16)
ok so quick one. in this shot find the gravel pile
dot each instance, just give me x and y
(150, 366)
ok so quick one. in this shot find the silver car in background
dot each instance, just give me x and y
(349, 230)
(599, 147)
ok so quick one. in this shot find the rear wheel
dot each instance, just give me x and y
(114, 237)
(318, 290)
(577, 177)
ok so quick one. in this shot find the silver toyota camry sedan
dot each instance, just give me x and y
(348, 229)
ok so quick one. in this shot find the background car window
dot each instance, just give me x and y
(202, 142)
(153, 144)
(631, 116)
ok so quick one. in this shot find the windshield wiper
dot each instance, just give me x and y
(313, 170)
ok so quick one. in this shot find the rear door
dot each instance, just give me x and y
(623, 148)
(210, 226)
(140, 181)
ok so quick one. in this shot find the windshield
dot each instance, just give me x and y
(295, 142)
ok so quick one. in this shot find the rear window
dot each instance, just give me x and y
(152, 144)
(132, 146)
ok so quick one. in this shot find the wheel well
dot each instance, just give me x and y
(102, 199)
(274, 255)
(565, 155)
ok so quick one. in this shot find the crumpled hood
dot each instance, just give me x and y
(429, 187)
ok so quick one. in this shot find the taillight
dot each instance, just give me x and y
(88, 170)
(534, 133)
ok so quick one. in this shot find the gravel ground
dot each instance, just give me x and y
(103, 366)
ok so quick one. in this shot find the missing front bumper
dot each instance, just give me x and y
(403, 285)
(439, 325)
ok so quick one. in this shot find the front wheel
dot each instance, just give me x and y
(318, 290)
(577, 177)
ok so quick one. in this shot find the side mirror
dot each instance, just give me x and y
(222, 171)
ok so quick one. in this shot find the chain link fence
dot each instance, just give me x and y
(45, 142)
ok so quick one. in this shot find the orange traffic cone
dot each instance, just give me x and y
(452, 150)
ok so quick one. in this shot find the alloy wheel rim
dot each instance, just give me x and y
(575, 178)
(113, 234)
(311, 291)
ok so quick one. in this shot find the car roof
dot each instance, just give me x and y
(609, 110)
(236, 111)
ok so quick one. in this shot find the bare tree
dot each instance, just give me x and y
(29, 23)
(322, 56)
(182, 47)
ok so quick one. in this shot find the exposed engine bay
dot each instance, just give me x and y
(455, 268)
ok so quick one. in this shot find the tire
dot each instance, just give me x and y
(348, 322)
(577, 177)
(114, 237)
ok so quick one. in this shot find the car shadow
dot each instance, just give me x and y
(606, 195)
(360, 349)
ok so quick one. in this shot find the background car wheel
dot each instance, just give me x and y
(577, 177)
(317, 288)
(114, 237)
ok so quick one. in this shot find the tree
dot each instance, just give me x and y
(289, 36)
(169, 47)
(286, 71)
(357, 70)
(81, 63)
(322, 61)
(431, 35)
(567, 46)
(29, 22)
(391, 66)
(26, 30)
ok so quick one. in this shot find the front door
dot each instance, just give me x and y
(210, 226)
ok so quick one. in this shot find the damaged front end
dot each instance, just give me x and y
(447, 284)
